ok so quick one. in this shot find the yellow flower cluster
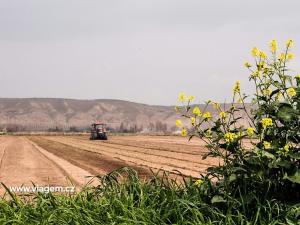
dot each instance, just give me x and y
(266, 122)
(184, 132)
(223, 115)
(178, 123)
(240, 100)
(193, 121)
(208, 133)
(250, 131)
(273, 46)
(289, 43)
(255, 52)
(258, 53)
(267, 91)
(182, 97)
(199, 182)
(207, 115)
(263, 55)
(247, 65)
(290, 56)
(282, 56)
(237, 87)
(255, 74)
(267, 145)
(191, 98)
(291, 92)
(230, 137)
(286, 148)
(196, 111)
(278, 96)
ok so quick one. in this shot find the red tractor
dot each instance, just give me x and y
(98, 131)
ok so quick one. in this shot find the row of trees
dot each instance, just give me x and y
(158, 126)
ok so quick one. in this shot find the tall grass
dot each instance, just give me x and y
(123, 198)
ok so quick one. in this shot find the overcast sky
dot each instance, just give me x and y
(139, 50)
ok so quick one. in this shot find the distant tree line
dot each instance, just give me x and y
(123, 127)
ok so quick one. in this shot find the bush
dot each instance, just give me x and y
(266, 168)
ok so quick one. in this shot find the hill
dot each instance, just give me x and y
(51, 113)
(33, 114)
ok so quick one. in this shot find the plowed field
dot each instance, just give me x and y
(59, 160)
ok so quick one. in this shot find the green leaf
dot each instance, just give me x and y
(295, 178)
(232, 178)
(281, 163)
(217, 199)
(286, 112)
(294, 155)
(237, 168)
(267, 154)
(290, 222)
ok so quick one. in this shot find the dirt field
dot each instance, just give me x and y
(59, 160)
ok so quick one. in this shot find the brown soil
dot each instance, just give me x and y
(22, 164)
(95, 163)
(59, 160)
(152, 152)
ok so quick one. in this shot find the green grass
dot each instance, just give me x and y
(132, 201)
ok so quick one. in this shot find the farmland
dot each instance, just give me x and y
(59, 160)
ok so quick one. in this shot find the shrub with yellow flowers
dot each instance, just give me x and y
(263, 157)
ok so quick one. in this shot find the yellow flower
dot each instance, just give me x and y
(193, 120)
(290, 56)
(286, 148)
(250, 131)
(247, 65)
(229, 137)
(263, 55)
(255, 52)
(297, 76)
(266, 122)
(267, 91)
(291, 92)
(208, 133)
(222, 115)
(255, 74)
(267, 144)
(207, 115)
(240, 100)
(182, 97)
(183, 132)
(273, 46)
(191, 98)
(196, 111)
(278, 96)
(237, 87)
(199, 182)
(282, 56)
(261, 65)
(178, 123)
(289, 43)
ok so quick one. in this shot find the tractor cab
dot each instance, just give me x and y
(98, 131)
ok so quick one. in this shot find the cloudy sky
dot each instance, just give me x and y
(138, 50)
